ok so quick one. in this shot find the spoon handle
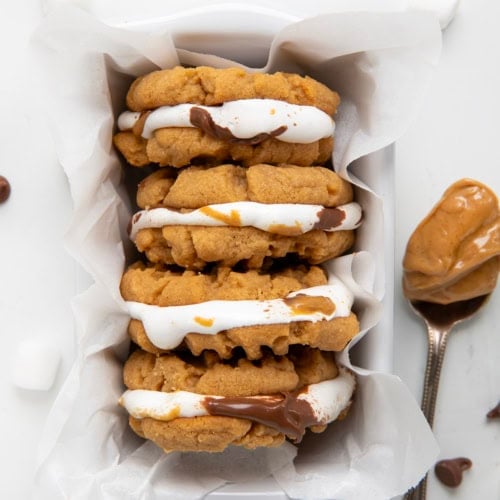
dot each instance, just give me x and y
(437, 338)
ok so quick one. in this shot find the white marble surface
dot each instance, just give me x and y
(455, 136)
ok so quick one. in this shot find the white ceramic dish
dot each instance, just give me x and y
(230, 33)
(92, 67)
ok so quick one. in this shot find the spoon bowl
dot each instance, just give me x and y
(440, 319)
(447, 315)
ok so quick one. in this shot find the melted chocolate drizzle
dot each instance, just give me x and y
(202, 119)
(329, 218)
(133, 220)
(285, 413)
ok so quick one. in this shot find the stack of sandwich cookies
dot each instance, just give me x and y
(231, 292)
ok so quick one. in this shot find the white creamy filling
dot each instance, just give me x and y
(327, 399)
(163, 405)
(128, 119)
(330, 397)
(245, 118)
(166, 327)
(273, 218)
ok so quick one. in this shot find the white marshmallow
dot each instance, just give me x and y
(35, 365)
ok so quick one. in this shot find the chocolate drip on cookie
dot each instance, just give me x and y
(202, 119)
(329, 218)
(285, 413)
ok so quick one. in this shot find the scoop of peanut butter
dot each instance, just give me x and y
(454, 254)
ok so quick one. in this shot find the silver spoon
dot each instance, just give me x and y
(440, 319)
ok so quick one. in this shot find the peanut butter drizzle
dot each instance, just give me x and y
(138, 127)
(233, 219)
(202, 119)
(454, 254)
(284, 412)
(174, 413)
(285, 230)
(208, 322)
(308, 304)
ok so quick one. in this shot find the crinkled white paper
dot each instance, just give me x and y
(380, 64)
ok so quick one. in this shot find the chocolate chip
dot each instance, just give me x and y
(494, 412)
(4, 189)
(449, 471)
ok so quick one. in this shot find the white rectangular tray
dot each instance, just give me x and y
(232, 35)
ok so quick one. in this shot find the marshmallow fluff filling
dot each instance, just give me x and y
(167, 326)
(242, 119)
(283, 218)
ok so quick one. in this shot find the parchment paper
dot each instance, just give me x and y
(380, 64)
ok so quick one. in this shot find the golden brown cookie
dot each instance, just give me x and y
(165, 287)
(196, 187)
(182, 145)
(209, 375)
(206, 433)
(193, 247)
(211, 86)
(156, 286)
(179, 147)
